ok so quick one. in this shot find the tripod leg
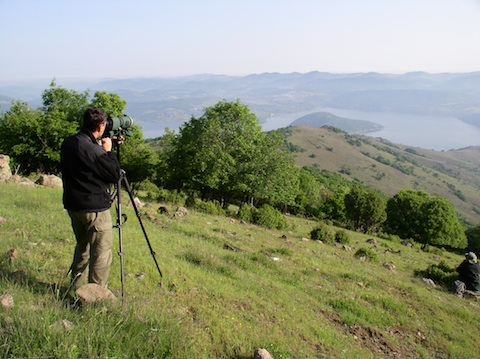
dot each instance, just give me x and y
(152, 252)
(119, 225)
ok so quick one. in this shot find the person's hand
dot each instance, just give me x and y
(119, 139)
(106, 144)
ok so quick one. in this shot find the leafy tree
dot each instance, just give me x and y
(473, 237)
(224, 155)
(427, 220)
(404, 213)
(333, 205)
(309, 193)
(111, 103)
(275, 178)
(33, 138)
(365, 209)
(166, 165)
(137, 158)
(68, 105)
(440, 224)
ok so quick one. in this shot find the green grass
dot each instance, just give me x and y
(315, 301)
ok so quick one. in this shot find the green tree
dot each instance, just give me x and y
(473, 237)
(333, 205)
(365, 209)
(68, 105)
(309, 193)
(273, 176)
(166, 165)
(33, 138)
(137, 158)
(224, 155)
(440, 224)
(427, 220)
(111, 103)
(404, 213)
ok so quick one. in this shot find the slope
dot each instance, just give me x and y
(390, 167)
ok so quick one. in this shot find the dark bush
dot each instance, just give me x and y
(323, 233)
(441, 273)
(342, 237)
(368, 253)
(269, 217)
(245, 212)
(210, 207)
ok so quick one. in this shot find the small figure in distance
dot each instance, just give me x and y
(469, 272)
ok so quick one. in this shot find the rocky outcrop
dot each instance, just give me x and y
(5, 172)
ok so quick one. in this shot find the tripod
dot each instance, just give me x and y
(121, 218)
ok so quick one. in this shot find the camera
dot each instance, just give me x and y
(118, 126)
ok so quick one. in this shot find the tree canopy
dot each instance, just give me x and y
(427, 220)
(33, 138)
(224, 155)
(365, 209)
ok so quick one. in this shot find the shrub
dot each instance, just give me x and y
(440, 273)
(368, 253)
(269, 217)
(245, 212)
(391, 237)
(342, 237)
(210, 207)
(323, 233)
(178, 198)
(150, 189)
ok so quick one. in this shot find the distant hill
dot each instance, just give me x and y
(390, 167)
(169, 102)
(320, 119)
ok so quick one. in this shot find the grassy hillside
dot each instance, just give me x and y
(295, 297)
(391, 167)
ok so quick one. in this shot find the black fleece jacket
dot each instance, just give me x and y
(469, 273)
(88, 172)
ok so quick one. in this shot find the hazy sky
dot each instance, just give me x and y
(106, 38)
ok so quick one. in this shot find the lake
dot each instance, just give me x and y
(429, 132)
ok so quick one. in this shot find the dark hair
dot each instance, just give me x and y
(93, 117)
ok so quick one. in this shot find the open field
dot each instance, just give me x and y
(295, 297)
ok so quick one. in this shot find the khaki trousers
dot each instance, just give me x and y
(93, 252)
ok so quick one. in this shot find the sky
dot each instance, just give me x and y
(101, 39)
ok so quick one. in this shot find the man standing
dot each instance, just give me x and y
(89, 169)
(469, 272)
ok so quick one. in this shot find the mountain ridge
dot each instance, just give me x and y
(390, 167)
(169, 102)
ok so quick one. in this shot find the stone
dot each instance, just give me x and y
(49, 181)
(372, 241)
(5, 171)
(62, 325)
(390, 266)
(6, 301)
(12, 255)
(429, 282)
(181, 212)
(93, 293)
(261, 353)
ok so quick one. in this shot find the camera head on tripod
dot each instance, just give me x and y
(118, 126)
